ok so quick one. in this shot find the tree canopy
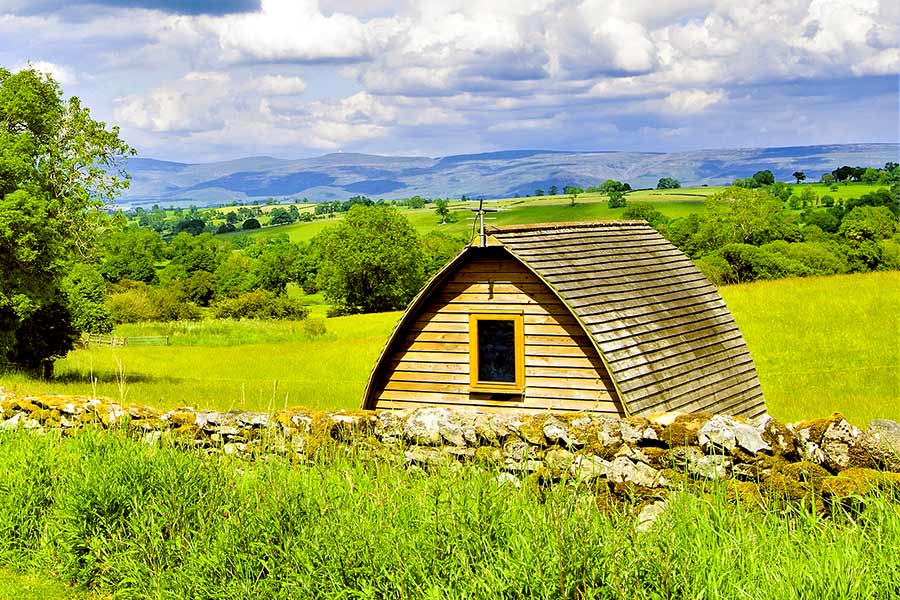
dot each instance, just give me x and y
(57, 165)
(371, 260)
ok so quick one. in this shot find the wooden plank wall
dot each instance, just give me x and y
(429, 364)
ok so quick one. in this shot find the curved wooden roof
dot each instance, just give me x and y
(663, 331)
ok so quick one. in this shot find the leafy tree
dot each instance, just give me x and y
(644, 211)
(437, 250)
(281, 216)
(668, 183)
(780, 190)
(197, 253)
(616, 199)
(553, 190)
(573, 193)
(250, 224)
(442, 209)
(868, 223)
(192, 226)
(84, 288)
(870, 175)
(371, 261)
(882, 197)
(57, 165)
(611, 185)
(799, 176)
(764, 177)
(131, 254)
(741, 216)
(827, 179)
(234, 275)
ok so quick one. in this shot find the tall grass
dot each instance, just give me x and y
(117, 515)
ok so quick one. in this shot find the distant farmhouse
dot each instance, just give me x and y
(604, 317)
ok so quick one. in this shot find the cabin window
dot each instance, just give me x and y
(497, 353)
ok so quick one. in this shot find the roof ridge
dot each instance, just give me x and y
(565, 225)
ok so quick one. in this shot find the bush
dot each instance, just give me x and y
(716, 269)
(645, 211)
(818, 258)
(749, 263)
(138, 303)
(131, 306)
(260, 304)
(168, 305)
(314, 328)
(250, 223)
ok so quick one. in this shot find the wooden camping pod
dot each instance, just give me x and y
(608, 317)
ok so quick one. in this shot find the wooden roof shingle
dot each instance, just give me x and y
(661, 327)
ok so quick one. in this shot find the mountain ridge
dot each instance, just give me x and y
(495, 174)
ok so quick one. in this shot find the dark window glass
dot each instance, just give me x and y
(497, 351)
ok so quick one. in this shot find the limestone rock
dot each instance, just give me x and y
(625, 470)
(838, 443)
(881, 442)
(717, 434)
(425, 426)
(637, 430)
(558, 460)
(750, 438)
(692, 461)
(427, 455)
(388, 426)
(650, 514)
(13, 422)
(586, 467)
(779, 436)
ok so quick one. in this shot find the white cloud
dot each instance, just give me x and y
(194, 103)
(287, 30)
(687, 102)
(63, 75)
(280, 85)
(383, 75)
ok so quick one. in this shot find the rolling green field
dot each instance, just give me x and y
(820, 344)
(823, 345)
(544, 209)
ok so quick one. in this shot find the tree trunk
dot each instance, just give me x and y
(47, 370)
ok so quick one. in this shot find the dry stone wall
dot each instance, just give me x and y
(821, 460)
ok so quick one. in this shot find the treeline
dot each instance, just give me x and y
(746, 235)
(372, 260)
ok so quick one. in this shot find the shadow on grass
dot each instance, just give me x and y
(85, 377)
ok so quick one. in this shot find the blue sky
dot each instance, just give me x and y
(203, 81)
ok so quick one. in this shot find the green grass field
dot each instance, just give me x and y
(820, 344)
(826, 344)
(544, 209)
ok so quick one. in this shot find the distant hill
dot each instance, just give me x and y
(488, 175)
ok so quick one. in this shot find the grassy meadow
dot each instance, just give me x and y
(115, 516)
(541, 209)
(826, 344)
(820, 344)
(535, 209)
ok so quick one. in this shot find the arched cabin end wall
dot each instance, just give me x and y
(428, 362)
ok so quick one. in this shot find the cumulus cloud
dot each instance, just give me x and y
(385, 74)
(684, 102)
(60, 73)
